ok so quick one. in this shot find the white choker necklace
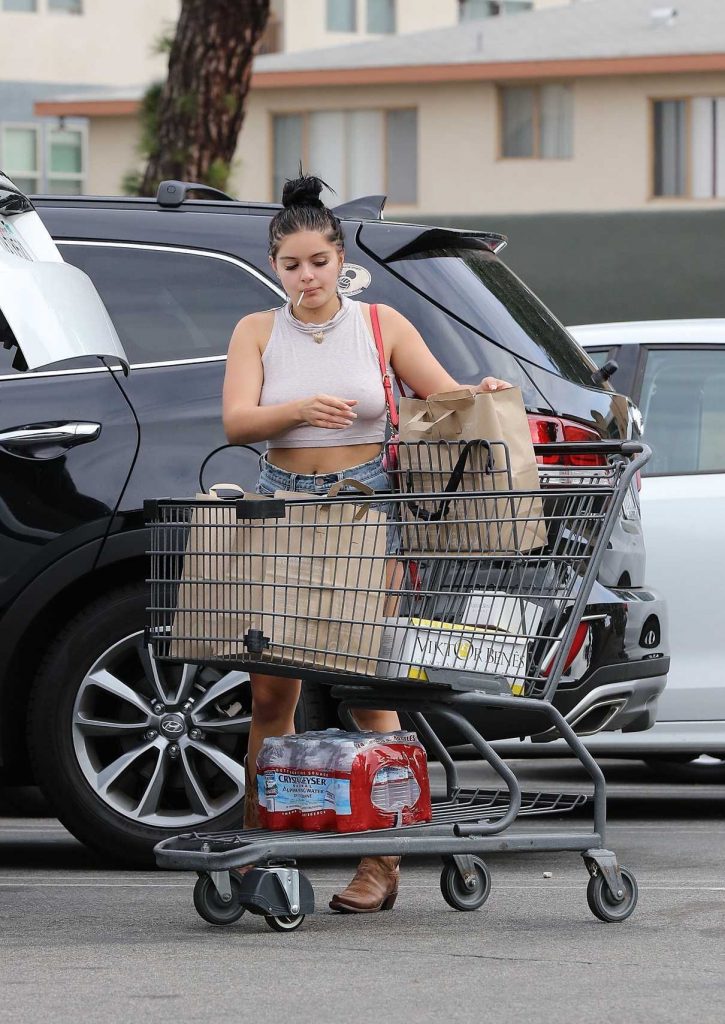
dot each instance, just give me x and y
(318, 331)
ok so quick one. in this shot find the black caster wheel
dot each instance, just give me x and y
(284, 924)
(460, 896)
(212, 907)
(603, 905)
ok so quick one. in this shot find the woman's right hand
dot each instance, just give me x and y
(327, 411)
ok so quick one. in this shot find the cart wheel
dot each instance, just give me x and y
(603, 905)
(457, 894)
(289, 923)
(210, 905)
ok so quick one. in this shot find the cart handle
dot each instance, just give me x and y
(589, 448)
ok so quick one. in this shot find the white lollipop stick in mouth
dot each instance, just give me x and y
(299, 300)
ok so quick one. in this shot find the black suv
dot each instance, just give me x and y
(82, 445)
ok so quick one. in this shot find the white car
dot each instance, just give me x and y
(674, 370)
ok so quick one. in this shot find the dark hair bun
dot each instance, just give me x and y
(303, 191)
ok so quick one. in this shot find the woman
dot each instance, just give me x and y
(306, 379)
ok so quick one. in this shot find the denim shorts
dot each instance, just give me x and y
(272, 478)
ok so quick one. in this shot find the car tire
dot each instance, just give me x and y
(80, 729)
(689, 768)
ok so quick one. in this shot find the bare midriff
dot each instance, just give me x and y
(311, 461)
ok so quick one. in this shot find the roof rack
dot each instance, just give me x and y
(172, 193)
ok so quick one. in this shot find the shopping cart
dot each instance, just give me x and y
(453, 593)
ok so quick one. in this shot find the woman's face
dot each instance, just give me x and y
(307, 262)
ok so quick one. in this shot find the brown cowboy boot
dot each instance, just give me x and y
(251, 805)
(251, 800)
(374, 887)
(251, 812)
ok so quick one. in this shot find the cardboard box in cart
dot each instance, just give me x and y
(492, 639)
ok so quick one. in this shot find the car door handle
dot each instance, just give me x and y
(42, 435)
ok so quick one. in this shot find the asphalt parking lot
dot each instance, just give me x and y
(84, 941)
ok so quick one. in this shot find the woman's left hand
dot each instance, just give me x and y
(493, 384)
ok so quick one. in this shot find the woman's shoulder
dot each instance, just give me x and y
(389, 317)
(385, 313)
(255, 327)
(260, 319)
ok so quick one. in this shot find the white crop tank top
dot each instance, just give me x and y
(344, 364)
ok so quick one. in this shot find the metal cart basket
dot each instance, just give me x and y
(451, 593)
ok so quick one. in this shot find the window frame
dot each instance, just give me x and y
(687, 195)
(62, 11)
(43, 7)
(36, 9)
(43, 131)
(653, 101)
(155, 364)
(536, 86)
(36, 128)
(342, 31)
(644, 351)
(306, 113)
(61, 175)
(372, 32)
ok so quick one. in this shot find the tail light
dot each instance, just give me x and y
(414, 575)
(549, 429)
(582, 632)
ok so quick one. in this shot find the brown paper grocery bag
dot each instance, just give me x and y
(312, 582)
(207, 606)
(315, 583)
(514, 523)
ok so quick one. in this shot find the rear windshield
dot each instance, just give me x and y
(475, 286)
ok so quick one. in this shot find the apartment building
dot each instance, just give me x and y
(52, 47)
(315, 24)
(596, 106)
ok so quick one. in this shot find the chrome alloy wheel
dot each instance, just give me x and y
(161, 744)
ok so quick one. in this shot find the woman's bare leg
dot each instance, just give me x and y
(274, 700)
(384, 721)
(394, 573)
(376, 721)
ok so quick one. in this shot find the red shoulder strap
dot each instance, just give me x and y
(387, 383)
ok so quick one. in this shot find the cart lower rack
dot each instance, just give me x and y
(452, 598)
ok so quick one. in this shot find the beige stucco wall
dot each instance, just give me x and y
(112, 149)
(109, 43)
(459, 168)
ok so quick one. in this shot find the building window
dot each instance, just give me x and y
(44, 159)
(536, 122)
(287, 141)
(69, 6)
(21, 156)
(341, 16)
(689, 147)
(381, 17)
(471, 10)
(684, 411)
(170, 305)
(359, 152)
(65, 161)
